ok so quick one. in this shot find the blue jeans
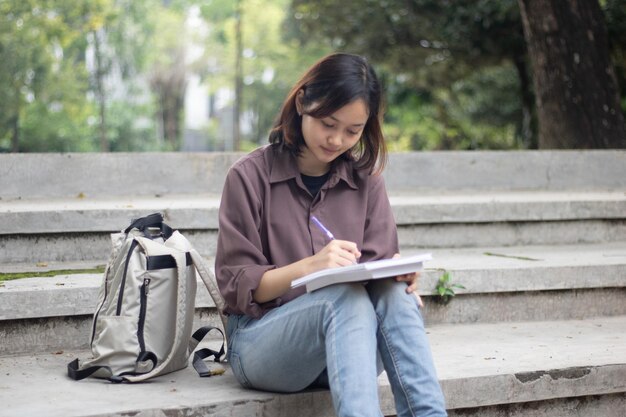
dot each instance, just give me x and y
(332, 336)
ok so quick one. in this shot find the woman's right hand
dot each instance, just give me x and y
(276, 282)
(336, 253)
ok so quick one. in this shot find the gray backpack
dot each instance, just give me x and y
(143, 321)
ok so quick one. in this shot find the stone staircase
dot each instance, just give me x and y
(538, 240)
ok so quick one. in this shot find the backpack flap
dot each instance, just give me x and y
(114, 337)
(168, 324)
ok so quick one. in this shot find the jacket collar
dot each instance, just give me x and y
(285, 167)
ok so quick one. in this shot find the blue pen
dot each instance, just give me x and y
(322, 227)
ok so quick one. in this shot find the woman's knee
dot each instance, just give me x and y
(347, 302)
(389, 294)
(388, 289)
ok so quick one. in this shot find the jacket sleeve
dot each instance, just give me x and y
(240, 262)
(380, 238)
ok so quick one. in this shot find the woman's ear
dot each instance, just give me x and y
(299, 106)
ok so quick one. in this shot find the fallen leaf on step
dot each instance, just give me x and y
(523, 258)
(41, 264)
(81, 195)
(60, 284)
(59, 352)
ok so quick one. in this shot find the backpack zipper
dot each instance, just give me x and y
(106, 294)
(145, 289)
(120, 298)
(95, 318)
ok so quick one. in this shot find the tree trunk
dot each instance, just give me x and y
(576, 90)
(169, 82)
(15, 134)
(238, 77)
(529, 136)
(100, 92)
(15, 121)
(173, 101)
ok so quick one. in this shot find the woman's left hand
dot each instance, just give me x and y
(412, 281)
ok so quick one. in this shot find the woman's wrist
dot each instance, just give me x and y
(276, 282)
(304, 267)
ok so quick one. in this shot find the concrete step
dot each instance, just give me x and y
(553, 368)
(29, 176)
(78, 229)
(501, 284)
(199, 212)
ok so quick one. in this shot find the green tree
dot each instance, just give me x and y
(270, 62)
(23, 65)
(441, 51)
(123, 47)
(35, 43)
(53, 99)
(42, 66)
(435, 50)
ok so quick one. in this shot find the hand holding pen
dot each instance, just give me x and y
(411, 279)
(337, 252)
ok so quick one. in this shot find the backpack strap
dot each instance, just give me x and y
(208, 277)
(153, 220)
(198, 357)
(74, 371)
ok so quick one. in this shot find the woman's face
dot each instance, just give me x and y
(329, 137)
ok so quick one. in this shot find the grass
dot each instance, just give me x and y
(9, 276)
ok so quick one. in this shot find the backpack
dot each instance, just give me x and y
(144, 317)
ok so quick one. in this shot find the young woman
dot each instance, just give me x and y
(324, 159)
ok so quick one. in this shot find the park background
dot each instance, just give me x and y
(524, 298)
(191, 75)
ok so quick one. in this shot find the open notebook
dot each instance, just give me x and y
(362, 272)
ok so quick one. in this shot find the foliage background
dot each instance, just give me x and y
(90, 75)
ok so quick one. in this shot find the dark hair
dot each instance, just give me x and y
(331, 83)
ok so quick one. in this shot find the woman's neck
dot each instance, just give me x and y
(309, 165)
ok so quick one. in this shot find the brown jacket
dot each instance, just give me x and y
(265, 222)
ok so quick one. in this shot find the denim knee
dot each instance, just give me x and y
(348, 300)
(389, 296)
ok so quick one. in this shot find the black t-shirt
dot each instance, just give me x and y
(314, 184)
